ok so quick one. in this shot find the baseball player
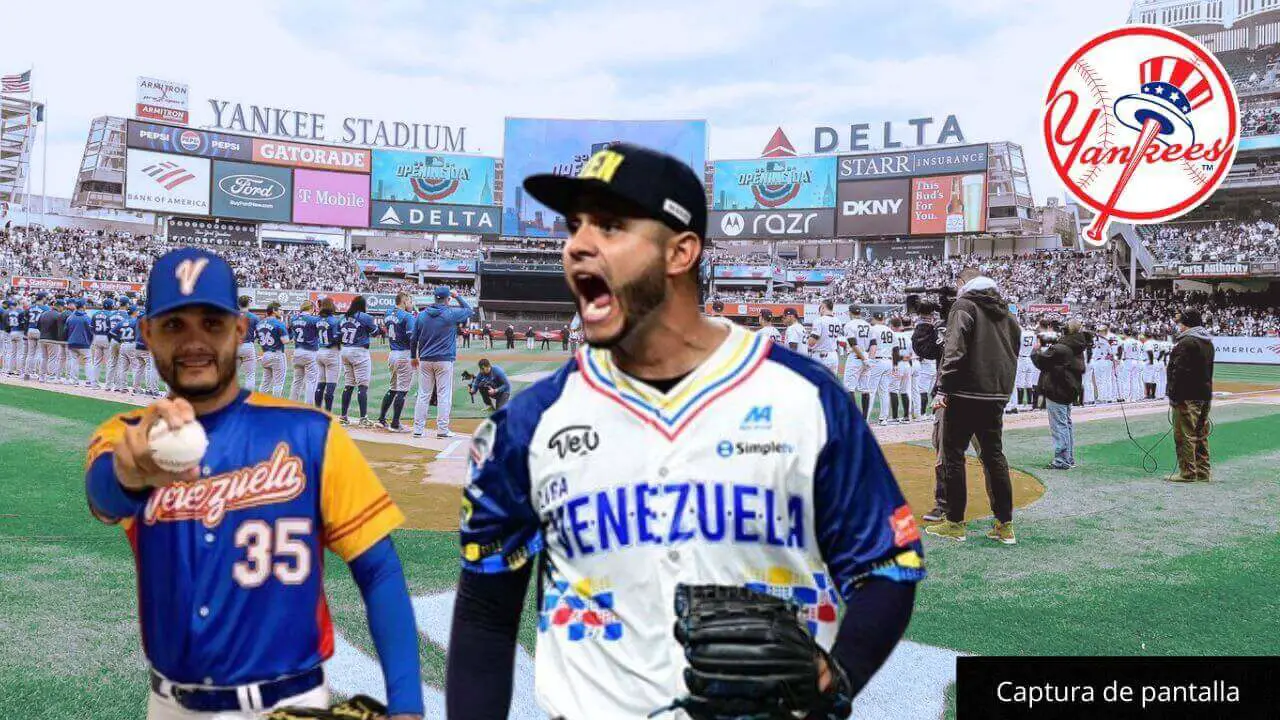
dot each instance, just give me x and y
(6, 348)
(329, 356)
(65, 376)
(528, 338)
(926, 374)
(229, 554)
(302, 330)
(1129, 374)
(902, 388)
(50, 329)
(144, 367)
(767, 328)
(1163, 348)
(829, 331)
(1023, 384)
(116, 365)
(129, 360)
(1147, 358)
(34, 311)
(271, 334)
(797, 340)
(857, 334)
(357, 367)
(674, 449)
(247, 354)
(399, 327)
(433, 352)
(79, 333)
(15, 326)
(100, 347)
(879, 373)
(1103, 366)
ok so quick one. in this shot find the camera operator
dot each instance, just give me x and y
(1061, 365)
(975, 380)
(491, 383)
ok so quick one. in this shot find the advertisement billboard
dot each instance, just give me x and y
(288, 299)
(391, 267)
(185, 141)
(463, 219)
(748, 224)
(770, 183)
(1214, 269)
(162, 100)
(426, 265)
(949, 204)
(753, 309)
(935, 161)
(33, 284)
(815, 276)
(420, 177)
(535, 146)
(199, 231)
(166, 183)
(1257, 350)
(251, 192)
(317, 157)
(114, 286)
(743, 271)
(330, 198)
(873, 207)
(902, 250)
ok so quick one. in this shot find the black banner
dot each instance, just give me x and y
(901, 249)
(192, 231)
(1241, 688)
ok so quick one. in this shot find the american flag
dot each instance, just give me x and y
(16, 83)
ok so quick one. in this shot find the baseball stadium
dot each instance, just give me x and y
(841, 255)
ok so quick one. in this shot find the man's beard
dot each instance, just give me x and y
(638, 299)
(226, 371)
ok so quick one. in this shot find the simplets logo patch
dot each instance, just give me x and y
(727, 448)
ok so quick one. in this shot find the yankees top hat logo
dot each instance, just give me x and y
(1141, 125)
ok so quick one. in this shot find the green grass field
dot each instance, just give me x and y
(1111, 561)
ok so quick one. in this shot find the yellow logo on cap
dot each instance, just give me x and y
(602, 166)
(188, 273)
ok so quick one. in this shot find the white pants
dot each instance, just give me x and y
(1023, 380)
(116, 367)
(829, 360)
(163, 708)
(1160, 371)
(273, 373)
(247, 355)
(853, 370)
(98, 350)
(76, 358)
(50, 357)
(357, 368)
(329, 364)
(305, 376)
(1148, 373)
(1087, 380)
(879, 375)
(15, 358)
(33, 353)
(1127, 380)
(1104, 377)
(144, 368)
(401, 370)
(437, 376)
(528, 341)
(6, 350)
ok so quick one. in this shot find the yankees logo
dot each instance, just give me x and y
(188, 274)
(1141, 125)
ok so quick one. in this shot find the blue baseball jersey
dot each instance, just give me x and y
(329, 332)
(399, 329)
(115, 319)
(755, 470)
(128, 330)
(230, 567)
(302, 330)
(271, 334)
(101, 322)
(139, 343)
(251, 332)
(356, 330)
(15, 319)
(33, 314)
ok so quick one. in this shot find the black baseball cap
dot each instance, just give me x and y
(654, 184)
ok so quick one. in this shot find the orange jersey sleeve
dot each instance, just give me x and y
(109, 433)
(356, 510)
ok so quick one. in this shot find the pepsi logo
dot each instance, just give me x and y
(190, 140)
(256, 187)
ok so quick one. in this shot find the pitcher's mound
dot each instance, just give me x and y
(913, 467)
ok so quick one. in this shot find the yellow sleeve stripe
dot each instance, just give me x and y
(354, 523)
(108, 434)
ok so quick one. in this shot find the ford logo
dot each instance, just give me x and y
(251, 186)
(190, 140)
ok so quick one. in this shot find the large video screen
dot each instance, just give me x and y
(420, 177)
(946, 204)
(525, 286)
(533, 146)
(873, 207)
(771, 183)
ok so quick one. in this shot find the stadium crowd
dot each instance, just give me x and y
(1221, 241)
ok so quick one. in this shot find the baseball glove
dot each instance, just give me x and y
(360, 707)
(750, 656)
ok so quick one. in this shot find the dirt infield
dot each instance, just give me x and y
(432, 505)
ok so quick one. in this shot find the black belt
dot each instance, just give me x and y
(271, 692)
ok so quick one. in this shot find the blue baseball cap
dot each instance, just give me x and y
(78, 302)
(108, 304)
(191, 276)
(443, 292)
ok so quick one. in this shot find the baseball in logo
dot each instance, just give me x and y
(1141, 125)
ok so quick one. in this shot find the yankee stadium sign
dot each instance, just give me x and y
(301, 125)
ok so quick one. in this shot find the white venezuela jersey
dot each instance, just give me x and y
(627, 491)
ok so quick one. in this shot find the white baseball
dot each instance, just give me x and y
(177, 450)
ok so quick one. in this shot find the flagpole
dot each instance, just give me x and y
(44, 164)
